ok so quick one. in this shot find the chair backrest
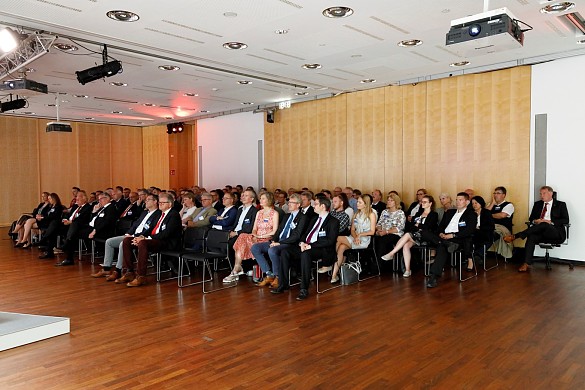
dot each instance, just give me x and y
(194, 236)
(122, 226)
(217, 241)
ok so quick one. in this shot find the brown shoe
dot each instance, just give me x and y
(509, 238)
(524, 268)
(266, 281)
(275, 283)
(113, 276)
(139, 281)
(127, 277)
(101, 274)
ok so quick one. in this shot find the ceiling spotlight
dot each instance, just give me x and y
(281, 31)
(169, 67)
(337, 12)
(460, 63)
(65, 47)
(311, 66)
(235, 45)
(149, 105)
(89, 118)
(368, 81)
(410, 42)
(118, 84)
(8, 40)
(116, 112)
(581, 42)
(230, 14)
(122, 16)
(302, 93)
(204, 111)
(190, 94)
(168, 117)
(557, 7)
(173, 128)
(107, 69)
(13, 105)
(81, 96)
(244, 82)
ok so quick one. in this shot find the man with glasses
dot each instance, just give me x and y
(166, 234)
(414, 208)
(244, 219)
(202, 214)
(502, 212)
(288, 234)
(143, 225)
(377, 203)
(317, 242)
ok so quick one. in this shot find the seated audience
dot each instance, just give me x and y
(390, 226)
(484, 230)
(363, 227)
(306, 204)
(166, 234)
(348, 191)
(318, 242)
(244, 219)
(289, 233)
(423, 226)
(226, 220)
(446, 204)
(502, 213)
(200, 217)
(133, 210)
(414, 208)
(377, 203)
(265, 227)
(27, 222)
(338, 207)
(547, 224)
(455, 231)
(188, 209)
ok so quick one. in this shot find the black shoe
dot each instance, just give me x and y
(452, 247)
(65, 263)
(303, 294)
(432, 282)
(20, 244)
(279, 290)
(47, 255)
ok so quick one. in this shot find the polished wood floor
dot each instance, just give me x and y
(503, 330)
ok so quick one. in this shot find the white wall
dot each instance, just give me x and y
(558, 89)
(230, 150)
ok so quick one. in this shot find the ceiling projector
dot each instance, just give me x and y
(485, 33)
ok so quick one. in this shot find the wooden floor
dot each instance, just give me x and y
(503, 330)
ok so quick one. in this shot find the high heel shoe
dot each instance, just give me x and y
(19, 244)
(26, 245)
(469, 269)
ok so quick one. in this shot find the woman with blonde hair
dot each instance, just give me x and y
(363, 227)
(390, 226)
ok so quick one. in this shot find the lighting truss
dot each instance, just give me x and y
(31, 48)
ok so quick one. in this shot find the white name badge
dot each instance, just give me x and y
(322, 234)
(102, 215)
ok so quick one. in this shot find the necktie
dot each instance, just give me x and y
(310, 236)
(200, 214)
(126, 211)
(286, 229)
(75, 213)
(544, 209)
(155, 230)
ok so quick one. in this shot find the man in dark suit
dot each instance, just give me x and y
(548, 219)
(166, 234)
(118, 200)
(306, 207)
(78, 221)
(318, 242)
(226, 219)
(455, 231)
(289, 233)
(377, 203)
(244, 219)
(142, 226)
(133, 210)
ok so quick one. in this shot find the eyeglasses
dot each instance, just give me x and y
(163, 202)
(498, 193)
(207, 199)
(291, 201)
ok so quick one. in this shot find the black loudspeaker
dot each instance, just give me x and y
(270, 117)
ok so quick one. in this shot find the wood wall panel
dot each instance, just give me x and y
(126, 157)
(393, 151)
(414, 110)
(155, 152)
(366, 139)
(332, 139)
(19, 168)
(95, 159)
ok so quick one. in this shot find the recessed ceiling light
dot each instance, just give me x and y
(29, 113)
(81, 96)
(281, 31)
(51, 105)
(118, 84)
(116, 112)
(65, 47)
(149, 105)
(557, 7)
(122, 16)
(337, 12)
(410, 42)
(190, 94)
(581, 42)
(168, 67)
(356, 56)
(302, 93)
(215, 89)
(64, 101)
(139, 123)
(247, 103)
(368, 81)
(460, 63)
(89, 118)
(235, 45)
(244, 82)
(230, 14)
(204, 111)
(312, 66)
(168, 117)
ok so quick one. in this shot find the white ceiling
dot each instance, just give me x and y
(190, 34)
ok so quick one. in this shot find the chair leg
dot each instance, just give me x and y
(317, 282)
(207, 266)
(360, 279)
(485, 268)
(460, 254)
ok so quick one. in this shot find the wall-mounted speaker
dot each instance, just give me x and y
(270, 116)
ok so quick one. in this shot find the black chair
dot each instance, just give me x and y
(216, 248)
(551, 245)
(457, 257)
(368, 253)
(193, 242)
